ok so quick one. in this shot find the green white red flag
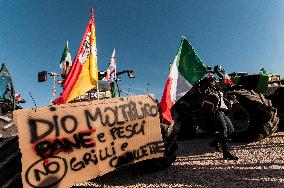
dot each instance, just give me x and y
(185, 71)
(66, 61)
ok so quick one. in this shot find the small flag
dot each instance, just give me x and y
(185, 71)
(227, 80)
(19, 99)
(111, 70)
(83, 75)
(65, 62)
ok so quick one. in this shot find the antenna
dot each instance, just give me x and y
(53, 89)
(128, 90)
(148, 84)
(33, 101)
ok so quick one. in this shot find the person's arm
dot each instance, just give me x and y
(227, 103)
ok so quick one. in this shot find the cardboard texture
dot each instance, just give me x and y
(66, 144)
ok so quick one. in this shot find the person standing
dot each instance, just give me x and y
(224, 124)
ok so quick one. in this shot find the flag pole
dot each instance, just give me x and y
(54, 89)
(98, 91)
(115, 64)
(92, 12)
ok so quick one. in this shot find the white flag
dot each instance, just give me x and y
(111, 70)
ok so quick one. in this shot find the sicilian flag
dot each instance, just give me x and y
(185, 71)
(111, 70)
(83, 75)
(66, 61)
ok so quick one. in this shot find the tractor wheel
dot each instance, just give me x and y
(254, 118)
(281, 118)
(240, 118)
(276, 98)
(169, 134)
(10, 155)
(188, 127)
(187, 121)
(10, 162)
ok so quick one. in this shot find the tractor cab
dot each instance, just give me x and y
(7, 99)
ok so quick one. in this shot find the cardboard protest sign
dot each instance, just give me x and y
(65, 144)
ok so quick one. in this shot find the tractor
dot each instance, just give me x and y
(255, 106)
(10, 155)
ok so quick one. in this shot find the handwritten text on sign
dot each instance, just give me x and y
(76, 142)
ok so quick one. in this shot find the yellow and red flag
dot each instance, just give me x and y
(83, 75)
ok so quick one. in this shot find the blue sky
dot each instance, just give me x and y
(240, 35)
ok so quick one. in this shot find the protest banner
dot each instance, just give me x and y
(66, 144)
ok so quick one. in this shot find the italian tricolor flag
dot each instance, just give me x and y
(83, 75)
(185, 71)
(66, 61)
